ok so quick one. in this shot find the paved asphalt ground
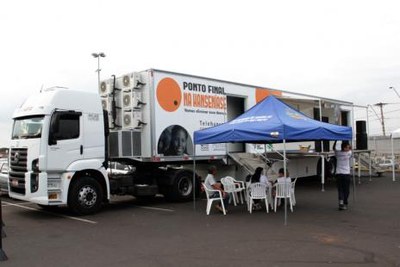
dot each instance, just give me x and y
(128, 232)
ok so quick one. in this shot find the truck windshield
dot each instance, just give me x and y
(27, 127)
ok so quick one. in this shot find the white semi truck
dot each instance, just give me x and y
(63, 140)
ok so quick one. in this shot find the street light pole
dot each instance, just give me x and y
(98, 56)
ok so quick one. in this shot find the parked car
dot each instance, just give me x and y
(388, 164)
(4, 176)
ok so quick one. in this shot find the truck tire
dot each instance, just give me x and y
(182, 187)
(85, 196)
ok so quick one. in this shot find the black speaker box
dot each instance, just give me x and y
(361, 141)
(361, 127)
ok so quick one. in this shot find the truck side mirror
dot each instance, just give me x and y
(54, 128)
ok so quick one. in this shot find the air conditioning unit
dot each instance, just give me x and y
(132, 81)
(105, 103)
(138, 119)
(132, 100)
(132, 119)
(127, 100)
(139, 82)
(137, 100)
(106, 88)
(128, 81)
(127, 120)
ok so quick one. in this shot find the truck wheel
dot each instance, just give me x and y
(182, 187)
(85, 196)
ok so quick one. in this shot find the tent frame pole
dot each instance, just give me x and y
(194, 176)
(285, 175)
(393, 159)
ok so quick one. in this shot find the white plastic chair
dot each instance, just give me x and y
(292, 195)
(211, 197)
(230, 186)
(283, 190)
(247, 194)
(257, 191)
(242, 189)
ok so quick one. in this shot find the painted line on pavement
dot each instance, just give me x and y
(59, 215)
(10, 204)
(153, 208)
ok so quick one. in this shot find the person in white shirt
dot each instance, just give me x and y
(343, 173)
(211, 183)
(259, 177)
(282, 178)
(264, 180)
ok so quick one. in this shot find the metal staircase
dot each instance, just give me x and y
(250, 161)
(364, 160)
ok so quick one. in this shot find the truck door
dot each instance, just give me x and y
(65, 144)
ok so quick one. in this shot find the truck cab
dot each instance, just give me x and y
(57, 145)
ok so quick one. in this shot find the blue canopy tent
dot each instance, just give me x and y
(272, 121)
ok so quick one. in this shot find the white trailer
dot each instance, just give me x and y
(63, 140)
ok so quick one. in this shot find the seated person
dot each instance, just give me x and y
(282, 179)
(281, 176)
(211, 183)
(255, 178)
(264, 180)
(259, 177)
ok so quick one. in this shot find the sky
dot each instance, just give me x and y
(347, 50)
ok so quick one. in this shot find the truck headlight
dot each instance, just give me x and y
(34, 182)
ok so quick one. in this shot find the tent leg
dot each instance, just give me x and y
(322, 173)
(354, 184)
(359, 168)
(194, 177)
(370, 166)
(393, 161)
(285, 171)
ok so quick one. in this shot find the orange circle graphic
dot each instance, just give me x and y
(169, 94)
(263, 93)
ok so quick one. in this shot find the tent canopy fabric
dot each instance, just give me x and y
(396, 133)
(271, 121)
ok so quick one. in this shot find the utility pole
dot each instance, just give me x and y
(380, 105)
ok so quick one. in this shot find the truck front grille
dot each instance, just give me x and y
(18, 168)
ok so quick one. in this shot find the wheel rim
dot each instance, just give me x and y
(185, 186)
(87, 196)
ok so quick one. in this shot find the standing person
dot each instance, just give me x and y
(343, 173)
(211, 183)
